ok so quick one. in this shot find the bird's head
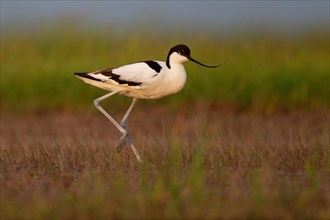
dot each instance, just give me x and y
(180, 54)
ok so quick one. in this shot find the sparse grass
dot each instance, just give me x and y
(214, 165)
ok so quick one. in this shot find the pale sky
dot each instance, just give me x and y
(180, 15)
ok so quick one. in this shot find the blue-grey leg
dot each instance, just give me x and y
(97, 105)
(123, 121)
(127, 138)
(120, 128)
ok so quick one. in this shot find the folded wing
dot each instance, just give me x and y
(131, 74)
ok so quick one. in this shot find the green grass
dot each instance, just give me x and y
(265, 72)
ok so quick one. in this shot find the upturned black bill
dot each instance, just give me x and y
(195, 61)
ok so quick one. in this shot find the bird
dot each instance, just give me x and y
(142, 80)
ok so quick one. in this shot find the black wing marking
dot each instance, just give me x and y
(85, 75)
(108, 72)
(154, 65)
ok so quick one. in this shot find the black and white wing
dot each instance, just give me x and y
(132, 74)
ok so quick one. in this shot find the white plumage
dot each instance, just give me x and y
(142, 80)
(153, 84)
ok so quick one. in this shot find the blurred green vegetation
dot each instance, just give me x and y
(260, 71)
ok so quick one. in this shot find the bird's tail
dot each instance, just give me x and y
(87, 76)
(80, 74)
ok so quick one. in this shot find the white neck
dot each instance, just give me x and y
(176, 58)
